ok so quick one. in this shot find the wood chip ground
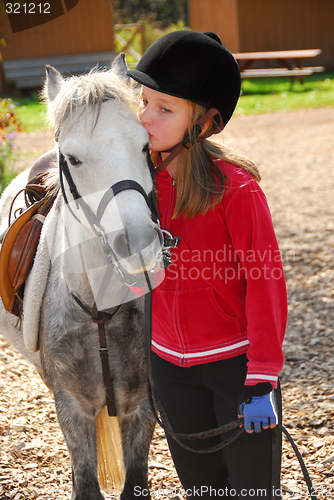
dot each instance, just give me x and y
(295, 153)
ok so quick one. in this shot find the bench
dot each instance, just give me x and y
(259, 73)
(30, 72)
(290, 61)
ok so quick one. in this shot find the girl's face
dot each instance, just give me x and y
(165, 118)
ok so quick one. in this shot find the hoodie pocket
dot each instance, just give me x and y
(202, 321)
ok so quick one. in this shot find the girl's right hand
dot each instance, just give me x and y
(259, 413)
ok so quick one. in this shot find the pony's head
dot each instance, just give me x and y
(101, 144)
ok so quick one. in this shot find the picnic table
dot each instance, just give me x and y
(289, 61)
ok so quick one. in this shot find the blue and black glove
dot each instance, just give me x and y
(257, 407)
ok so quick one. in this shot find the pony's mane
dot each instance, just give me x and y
(91, 89)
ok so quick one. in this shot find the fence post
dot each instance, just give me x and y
(142, 37)
(139, 30)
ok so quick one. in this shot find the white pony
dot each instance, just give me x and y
(89, 232)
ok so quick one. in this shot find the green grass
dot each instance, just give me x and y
(259, 95)
(32, 113)
(7, 178)
(267, 95)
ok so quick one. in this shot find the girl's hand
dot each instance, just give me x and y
(258, 412)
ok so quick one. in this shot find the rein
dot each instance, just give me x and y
(164, 421)
(100, 317)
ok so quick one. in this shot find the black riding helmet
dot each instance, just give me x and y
(193, 66)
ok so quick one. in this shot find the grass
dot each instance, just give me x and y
(267, 95)
(8, 176)
(32, 113)
(259, 95)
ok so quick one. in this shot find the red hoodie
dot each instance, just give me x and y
(225, 292)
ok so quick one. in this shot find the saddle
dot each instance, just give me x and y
(20, 240)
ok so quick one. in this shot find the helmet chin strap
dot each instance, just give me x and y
(191, 139)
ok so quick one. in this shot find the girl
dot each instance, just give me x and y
(219, 316)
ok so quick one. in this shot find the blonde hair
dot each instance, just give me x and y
(200, 183)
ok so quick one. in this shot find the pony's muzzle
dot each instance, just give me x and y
(136, 245)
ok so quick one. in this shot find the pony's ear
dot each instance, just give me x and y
(120, 67)
(53, 82)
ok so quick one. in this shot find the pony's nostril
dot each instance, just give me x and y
(137, 240)
(122, 246)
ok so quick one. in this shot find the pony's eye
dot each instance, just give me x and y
(145, 148)
(74, 161)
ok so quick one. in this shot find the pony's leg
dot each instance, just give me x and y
(137, 432)
(80, 434)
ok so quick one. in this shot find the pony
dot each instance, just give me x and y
(79, 259)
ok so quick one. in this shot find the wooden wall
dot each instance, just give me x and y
(88, 27)
(288, 24)
(255, 25)
(219, 16)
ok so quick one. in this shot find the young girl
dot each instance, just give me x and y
(219, 316)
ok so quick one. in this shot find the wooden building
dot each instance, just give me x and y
(265, 25)
(73, 42)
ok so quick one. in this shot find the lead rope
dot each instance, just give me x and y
(306, 475)
(166, 426)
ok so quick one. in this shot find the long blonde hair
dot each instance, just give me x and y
(200, 183)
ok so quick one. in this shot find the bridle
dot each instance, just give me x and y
(94, 220)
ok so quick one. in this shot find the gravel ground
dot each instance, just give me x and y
(295, 154)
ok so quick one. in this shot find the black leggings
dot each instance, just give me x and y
(204, 397)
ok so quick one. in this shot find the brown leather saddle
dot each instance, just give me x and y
(20, 241)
